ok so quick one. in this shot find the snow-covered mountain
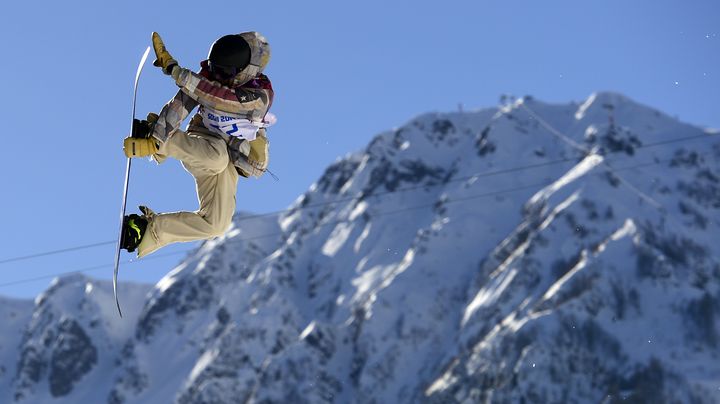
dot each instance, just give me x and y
(526, 253)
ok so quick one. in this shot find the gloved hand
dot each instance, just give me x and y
(139, 147)
(163, 58)
(143, 128)
(258, 156)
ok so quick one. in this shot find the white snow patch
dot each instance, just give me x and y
(362, 238)
(359, 210)
(406, 262)
(560, 282)
(361, 264)
(437, 225)
(380, 277)
(366, 280)
(206, 359)
(489, 295)
(627, 229)
(516, 253)
(580, 114)
(132, 299)
(164, 283)
(337, 239)
(559, 208)
(288, 220)
(310, 328)
(590, 132)
(501, 111)
(582, 168)
(347, 185)
(445, 381)
(510, 322)
(233, 232)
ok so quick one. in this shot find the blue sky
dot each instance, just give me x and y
(343, 72)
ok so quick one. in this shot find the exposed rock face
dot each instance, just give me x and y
(73, 355)
(69, 342)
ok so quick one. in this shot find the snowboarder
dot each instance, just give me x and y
(225, 139)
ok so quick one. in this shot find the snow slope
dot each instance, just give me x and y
(530, 252)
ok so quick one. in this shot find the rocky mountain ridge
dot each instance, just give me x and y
(531, 252)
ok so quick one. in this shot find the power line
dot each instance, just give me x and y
(336, 222)
(53, 252)
(88, 269)
(374, 194)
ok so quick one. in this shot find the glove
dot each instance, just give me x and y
(139, 147)
(258, 156)
(143, 129)
(163, 58)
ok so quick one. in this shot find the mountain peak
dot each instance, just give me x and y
(534, 252)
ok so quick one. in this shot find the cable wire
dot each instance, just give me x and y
(88, 269)
(53, 252)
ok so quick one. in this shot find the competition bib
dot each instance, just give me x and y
(233, 125)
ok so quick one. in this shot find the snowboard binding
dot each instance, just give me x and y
(133, 229)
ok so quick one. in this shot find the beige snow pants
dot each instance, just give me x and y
(205, 157)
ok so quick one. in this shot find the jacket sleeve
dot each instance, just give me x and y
(172, 115)
(253, 103)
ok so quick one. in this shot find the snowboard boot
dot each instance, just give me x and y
(133, 229)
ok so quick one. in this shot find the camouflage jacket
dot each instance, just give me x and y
(249, 98)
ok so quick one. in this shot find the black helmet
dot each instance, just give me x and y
(230, 51)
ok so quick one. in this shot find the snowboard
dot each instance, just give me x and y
(127, 181)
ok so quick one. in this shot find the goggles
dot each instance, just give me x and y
(223, 72)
